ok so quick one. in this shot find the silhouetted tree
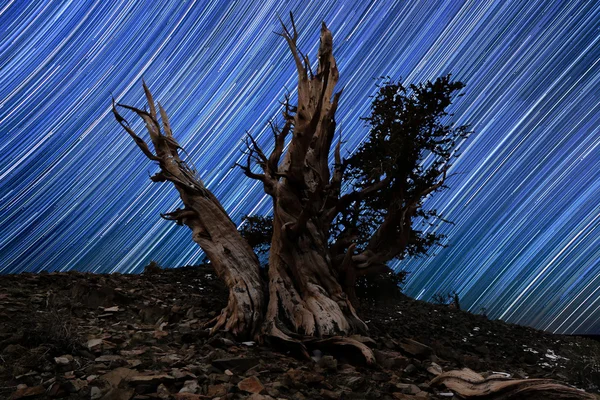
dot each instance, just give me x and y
(331, 223)
(381, 286)
(378, 285)
(404, 159)
(258, 232)
(447, 299)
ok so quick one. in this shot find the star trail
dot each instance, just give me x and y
(524, 198)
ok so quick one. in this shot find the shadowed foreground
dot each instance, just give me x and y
(81, 336)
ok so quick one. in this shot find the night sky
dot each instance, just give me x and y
(74, 188)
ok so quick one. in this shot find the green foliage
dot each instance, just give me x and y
(447, 299)
(381, 286)
(258, 230)
(442, 299)
(409, 147)
(152, 268)
(483, 312)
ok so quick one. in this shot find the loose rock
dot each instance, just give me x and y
(251, 385)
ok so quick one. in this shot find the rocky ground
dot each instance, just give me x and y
(88, 336)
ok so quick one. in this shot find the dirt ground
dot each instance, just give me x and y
(89, 336)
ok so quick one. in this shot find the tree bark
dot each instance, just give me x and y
(305, 295)
(233, 261)
(306, 298)
(212, 229)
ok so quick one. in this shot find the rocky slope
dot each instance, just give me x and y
(89, 336)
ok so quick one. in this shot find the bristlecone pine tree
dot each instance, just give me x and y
(323, 235)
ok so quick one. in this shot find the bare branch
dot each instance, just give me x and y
(280, 136)
(158, 177)
(291, 39)
(150, 100)
(179, 215)
(152, 126)
(248, 172)
(357, 195)
(138, 140)
(255, 148)
(165, 121)
(339, 167)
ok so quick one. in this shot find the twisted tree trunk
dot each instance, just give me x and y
(212, 229)
(306, 298)
(305, 295)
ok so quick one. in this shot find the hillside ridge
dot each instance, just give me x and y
(91, 336)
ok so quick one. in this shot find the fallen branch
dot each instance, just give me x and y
(470, 385)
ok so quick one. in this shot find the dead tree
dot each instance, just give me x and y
(212, 229)
(305, 295)
(309, 273)
(312, 274)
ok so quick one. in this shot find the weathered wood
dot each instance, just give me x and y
(305, 295)
(212, 229)
(470, 385)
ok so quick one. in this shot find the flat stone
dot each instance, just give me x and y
(216, 390)
(416, 349)
(149, 379)
(182, 375)
(163, 392)
(62, 360)
(117, 375)
(170, 359)
(408, 388)
(28, 392)
(238, 365)
(94, 343)
(69, 375)
(434, 369)
(219, 378)
(133, 363)
(190, 387)
(251, 385)
(160, 334)
(95, 393)
(391, 359)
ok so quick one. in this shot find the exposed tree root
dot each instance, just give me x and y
(230, 255)
(470, 385)
(350, 347)
(240, 315)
